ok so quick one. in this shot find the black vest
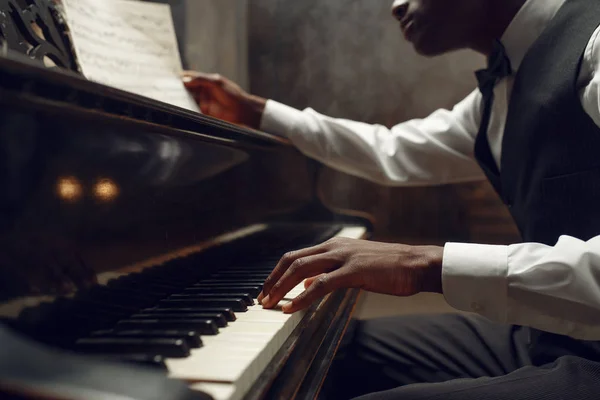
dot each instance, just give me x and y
(550, 168)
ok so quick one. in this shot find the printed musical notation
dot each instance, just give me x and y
(129, 45)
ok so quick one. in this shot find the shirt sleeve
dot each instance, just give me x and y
(434, 150)
(589, 78)
(551, 288)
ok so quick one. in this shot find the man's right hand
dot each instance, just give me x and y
(221, 98)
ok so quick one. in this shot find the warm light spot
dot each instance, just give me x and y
(69, 189)
(106, 190)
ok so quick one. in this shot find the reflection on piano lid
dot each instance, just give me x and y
(69, 189)
(106, 190)
(137, 233)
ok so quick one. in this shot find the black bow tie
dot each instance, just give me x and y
(498, 68)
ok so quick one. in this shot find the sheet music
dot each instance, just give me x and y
(129, 45)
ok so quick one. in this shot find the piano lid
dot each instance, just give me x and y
(95, 179)
(118, 189)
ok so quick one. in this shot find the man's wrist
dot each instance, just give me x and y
(434, 256)
(254, 108)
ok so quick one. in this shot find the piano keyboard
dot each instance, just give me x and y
(204, 328)
(243, 349)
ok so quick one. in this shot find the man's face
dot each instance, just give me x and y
(438, 26)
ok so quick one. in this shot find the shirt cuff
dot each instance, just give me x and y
(474, 279)
(279, 119)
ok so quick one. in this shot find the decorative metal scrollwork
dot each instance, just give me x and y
(35, 28)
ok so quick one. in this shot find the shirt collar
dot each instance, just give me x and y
(526, 27)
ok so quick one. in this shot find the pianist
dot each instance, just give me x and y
(533, 129)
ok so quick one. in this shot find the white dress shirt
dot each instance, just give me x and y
(552, 288)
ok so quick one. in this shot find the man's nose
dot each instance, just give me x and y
(399, 9)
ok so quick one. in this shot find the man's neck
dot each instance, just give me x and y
(500, 14)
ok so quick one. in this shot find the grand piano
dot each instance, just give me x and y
(135, 237)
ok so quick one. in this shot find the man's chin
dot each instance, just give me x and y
(428, 49)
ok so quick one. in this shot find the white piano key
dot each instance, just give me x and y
(262, 315)
(219, 391)
(229, 363)
(227, 359)
(253, 327)
(236, 337)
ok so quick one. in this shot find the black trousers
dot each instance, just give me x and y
(452, 357)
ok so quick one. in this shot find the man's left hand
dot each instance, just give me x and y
(386, 268)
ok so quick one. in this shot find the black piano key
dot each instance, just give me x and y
(224, 311)
(127, 291)
(132, 281)
(218, 318)
(117, 299)
(168, 276)
(246, 269)
(97, 312)
(81, 322)
(249, 270)
(242, 272)
(155, 280)
(259, 278)
(102, 291)
(200, 296)
(251, 290)
(202, 326)
(138, 290)
(65, 311)
(191, 337)
(175, 348)
(229, 282)
(237, 305)
(145, 360)
(204, 284)
(90, 305)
